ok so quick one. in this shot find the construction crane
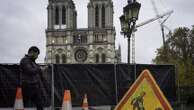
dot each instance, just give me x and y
(162, 25)
(142, 24)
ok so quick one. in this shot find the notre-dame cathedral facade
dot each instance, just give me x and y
(67, 44)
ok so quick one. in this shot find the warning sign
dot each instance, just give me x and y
(144, 94)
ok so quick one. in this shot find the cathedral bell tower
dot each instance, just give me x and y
(62, 17)
(61, 14)
(100, 25)
(100, 14)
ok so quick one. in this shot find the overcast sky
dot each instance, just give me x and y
(23, 23)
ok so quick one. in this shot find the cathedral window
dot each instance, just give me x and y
(97, 58)
(103, 58)
(84, 39)
(76, 39)
(96, 38)
(104, 38)
(103, 16)
(56, 40)
(79, 39)
(57, 58)
(99, 38)
(53, 40)
(63, 15)
(57, 15)
(64, 58)
(64, 39)
(97, 16)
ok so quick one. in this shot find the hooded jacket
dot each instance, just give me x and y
(30, 71)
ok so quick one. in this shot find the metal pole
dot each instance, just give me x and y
(135, 71)
(52, 52)
(116, 86)
(52, 78)
(52, 96)
(128, 37)
(131, 26)
(133, 47)
(178, 91)
(163, 36)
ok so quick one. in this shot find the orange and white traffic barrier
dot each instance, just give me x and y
(67, 101)
(85, 103)
(19, 100)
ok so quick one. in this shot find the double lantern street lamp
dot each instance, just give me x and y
(128, 21)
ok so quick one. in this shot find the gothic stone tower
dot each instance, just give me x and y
(67, 44)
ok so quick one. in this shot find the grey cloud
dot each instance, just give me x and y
(21, 26)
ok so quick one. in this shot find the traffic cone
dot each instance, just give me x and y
(85, 103)
(19, 100)
(67, 101)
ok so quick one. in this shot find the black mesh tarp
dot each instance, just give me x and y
(95, 80)
(105, 84)
(125, 77)
(9, 81)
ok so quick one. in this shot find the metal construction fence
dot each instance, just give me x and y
(105, 84)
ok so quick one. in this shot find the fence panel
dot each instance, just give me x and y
(105, 84)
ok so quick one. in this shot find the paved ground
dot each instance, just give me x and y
(75, 108)
(25, 109)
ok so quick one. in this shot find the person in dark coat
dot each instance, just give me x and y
(30, 78)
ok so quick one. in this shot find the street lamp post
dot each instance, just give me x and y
(52, 78)
(128, 20)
